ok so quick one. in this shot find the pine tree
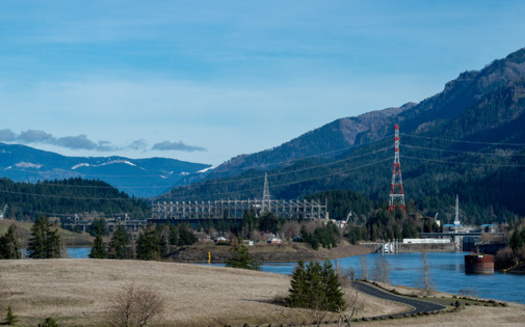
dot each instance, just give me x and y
(119, 243)
(334, 294)
(242, 259)
(9, 244)
(10, 319)
(298, 296)
(45, 242)
(186, 236)
(98, 251)
(173, 236)
(149, 245)
(315, 287)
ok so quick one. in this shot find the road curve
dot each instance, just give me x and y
(418, 305)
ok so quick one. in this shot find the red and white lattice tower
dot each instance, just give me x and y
(397, 197)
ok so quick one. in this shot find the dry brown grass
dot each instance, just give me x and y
(76, 292)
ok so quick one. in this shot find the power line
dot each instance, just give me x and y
(463, 152)
(225, 181)
(463, 141)
(318, 155)
(289, 172)
(67, 197)
(271, 186)
(461, 162)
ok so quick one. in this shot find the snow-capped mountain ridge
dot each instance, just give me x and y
(139, 177)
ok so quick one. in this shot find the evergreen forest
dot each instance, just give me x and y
(59, 198)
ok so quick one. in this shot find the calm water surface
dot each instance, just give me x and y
(447, 271)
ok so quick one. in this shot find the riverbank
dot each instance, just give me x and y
(78, 292)
(290, 252)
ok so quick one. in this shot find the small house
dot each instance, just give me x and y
(275, 240)
(221, 239)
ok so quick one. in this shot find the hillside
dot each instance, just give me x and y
(66, 198)
(467, 140)
(78, 293)
(136, 177)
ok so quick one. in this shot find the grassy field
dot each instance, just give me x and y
(78, 292)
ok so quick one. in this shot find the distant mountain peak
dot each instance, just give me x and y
(138, 177)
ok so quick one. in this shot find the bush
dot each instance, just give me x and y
(49, 322)
(316, 287)
(242, 259)
(135, 306)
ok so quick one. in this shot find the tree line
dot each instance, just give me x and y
(154, 242)
(27, 201)
(45, 241)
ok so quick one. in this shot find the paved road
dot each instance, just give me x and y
(418, 305)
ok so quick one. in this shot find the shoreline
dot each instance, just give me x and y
(197, 295)
(266, 253)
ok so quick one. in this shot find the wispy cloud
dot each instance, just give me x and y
(176, 146)
(82, 142)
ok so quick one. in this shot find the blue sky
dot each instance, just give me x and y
(204, 81)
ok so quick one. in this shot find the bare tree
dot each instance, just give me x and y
(134, 306)
(344, 318)
(363, 259)
(425, 275)
(381, 272)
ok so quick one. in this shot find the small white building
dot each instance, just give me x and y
(426, 241)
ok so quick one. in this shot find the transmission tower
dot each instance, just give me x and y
(397, 197)
(266, 195)
(456, 219)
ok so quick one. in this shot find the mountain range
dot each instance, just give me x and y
(468, 139)
(136, 177)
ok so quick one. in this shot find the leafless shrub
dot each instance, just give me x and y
(345, 276)
(346, 318)
(256, 236)
(381, 272)
(425, 281)
(468, 290)
(363, 259)
(291, 229)
(134, 306)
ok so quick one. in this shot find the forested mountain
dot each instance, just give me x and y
(328, 141)
(137, 177)
(60, 198)
(468, 139)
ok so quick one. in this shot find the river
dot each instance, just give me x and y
(447, 271)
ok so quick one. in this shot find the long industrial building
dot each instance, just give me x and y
(235, 209)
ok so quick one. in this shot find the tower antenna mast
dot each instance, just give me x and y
(397, 197)
(266, 195)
